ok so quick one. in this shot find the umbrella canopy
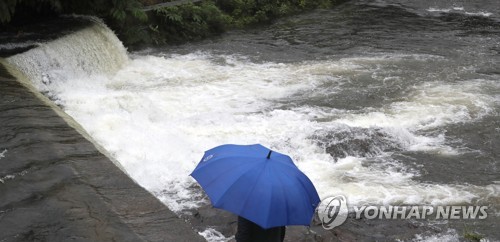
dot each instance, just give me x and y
(258, 184)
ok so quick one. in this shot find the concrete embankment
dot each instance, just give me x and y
(56, 185)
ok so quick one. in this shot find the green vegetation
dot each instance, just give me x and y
(192, 21)
(188, 22)
(471, 235)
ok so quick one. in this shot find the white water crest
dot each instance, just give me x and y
(431, 105)
(212, 235)
(459, 10)
(450, 235)
(156, 115)
(11, 46)
(2, 154)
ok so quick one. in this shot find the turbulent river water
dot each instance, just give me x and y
(385, 102)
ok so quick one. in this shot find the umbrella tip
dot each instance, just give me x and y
(269, 154)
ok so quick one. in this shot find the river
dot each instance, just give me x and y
(385, 102)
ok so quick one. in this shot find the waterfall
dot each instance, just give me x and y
(89, 51)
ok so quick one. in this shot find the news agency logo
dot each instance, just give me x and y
(333, 212)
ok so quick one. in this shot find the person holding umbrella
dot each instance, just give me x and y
(263, 187)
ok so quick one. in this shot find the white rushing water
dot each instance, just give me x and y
(157, 115)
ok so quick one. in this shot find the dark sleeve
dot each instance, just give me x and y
(283, 231)
(244, 232)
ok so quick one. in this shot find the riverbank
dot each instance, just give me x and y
(56, 186)
(141, 23)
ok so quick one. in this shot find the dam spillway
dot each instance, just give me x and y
(57, 185)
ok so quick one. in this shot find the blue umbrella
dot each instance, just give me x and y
(258, 184)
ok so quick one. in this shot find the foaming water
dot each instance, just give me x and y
(431, 104)
(212, 235)
(158, 115)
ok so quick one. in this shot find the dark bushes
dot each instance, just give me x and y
(135, 27)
